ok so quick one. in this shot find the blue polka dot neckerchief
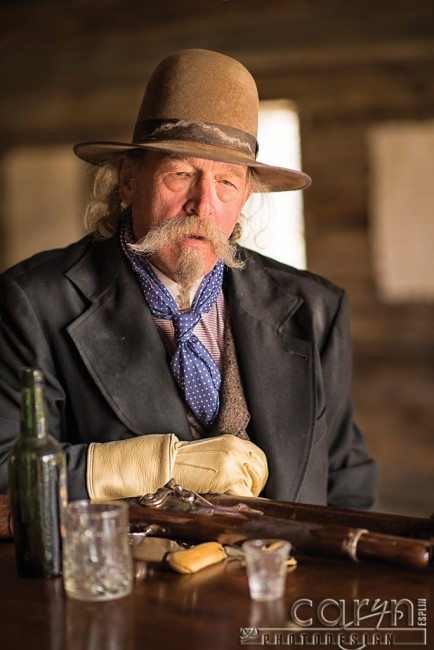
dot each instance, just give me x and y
(192, 365)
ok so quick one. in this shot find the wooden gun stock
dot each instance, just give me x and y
(5, 517)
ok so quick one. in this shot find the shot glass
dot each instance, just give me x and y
(266, 567)
(97, 561)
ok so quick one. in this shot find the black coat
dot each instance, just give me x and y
(80, 316)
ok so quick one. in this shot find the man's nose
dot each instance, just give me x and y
(201, 198)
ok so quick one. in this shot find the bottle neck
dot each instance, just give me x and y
(33, 423)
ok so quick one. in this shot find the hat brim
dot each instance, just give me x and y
(275, 179)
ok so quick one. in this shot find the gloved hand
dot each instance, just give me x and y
(125, 468)
(223, 465)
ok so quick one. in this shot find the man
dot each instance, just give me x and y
(168, 351)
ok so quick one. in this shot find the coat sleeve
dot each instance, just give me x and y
(24, 343)
(353, 477)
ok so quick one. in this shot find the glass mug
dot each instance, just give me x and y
(97, 560)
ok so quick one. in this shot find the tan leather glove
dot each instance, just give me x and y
(136, 466)
(223, 465)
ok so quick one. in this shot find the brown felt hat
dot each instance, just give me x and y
(201, 104)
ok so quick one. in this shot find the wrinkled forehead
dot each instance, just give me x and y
(169, 161)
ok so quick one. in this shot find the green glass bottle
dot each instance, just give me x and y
(38, 490)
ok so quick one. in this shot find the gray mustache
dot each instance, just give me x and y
(177, 228)
(173, 230)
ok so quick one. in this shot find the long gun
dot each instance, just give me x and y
(186, 516)
(313, 530)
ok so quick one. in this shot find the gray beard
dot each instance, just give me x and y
(191, 267)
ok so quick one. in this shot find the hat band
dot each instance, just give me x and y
(199, 132)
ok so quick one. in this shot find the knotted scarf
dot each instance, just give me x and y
(192, 365)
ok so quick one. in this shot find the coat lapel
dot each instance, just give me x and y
(120, 345)
(123, 352)
(278, 372)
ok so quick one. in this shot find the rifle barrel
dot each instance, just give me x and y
(379, 522)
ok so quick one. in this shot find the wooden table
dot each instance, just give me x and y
(207, 611)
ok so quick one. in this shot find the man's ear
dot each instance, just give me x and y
(127, 173)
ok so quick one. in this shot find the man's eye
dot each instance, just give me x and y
(228, 183)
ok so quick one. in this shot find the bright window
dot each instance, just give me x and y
(42, 200)
(402, 209)
(274, 226)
